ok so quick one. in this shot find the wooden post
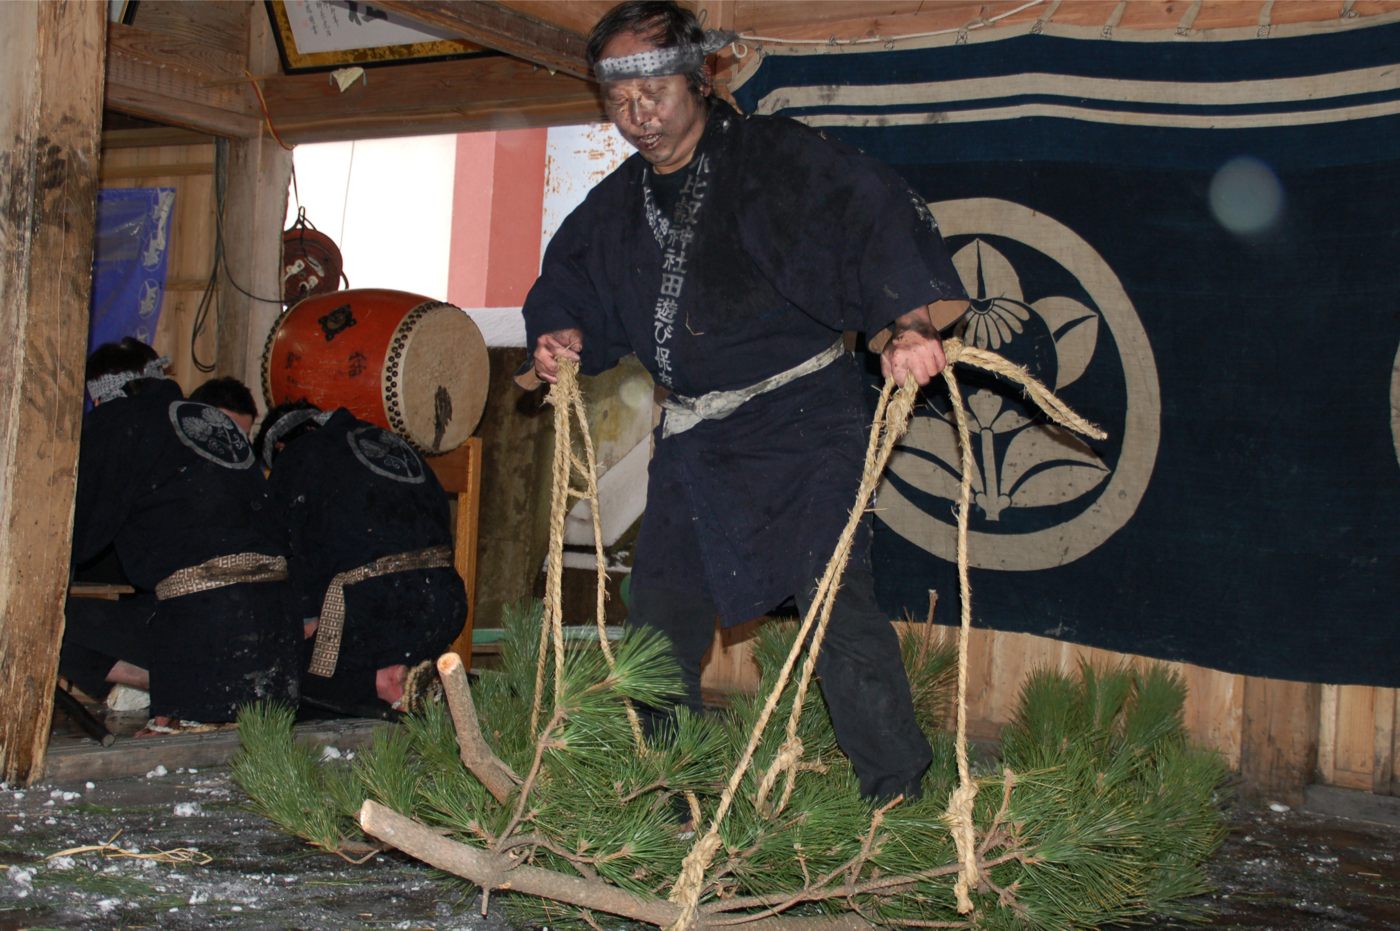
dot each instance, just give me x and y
(254, 210)
(459, 473)
(51, 64)
(1278, 749)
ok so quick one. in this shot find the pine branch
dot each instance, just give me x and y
(1105, 812)
(545, 739)
(826, 889)
(498, 778)
(390, 771)
(493, 870)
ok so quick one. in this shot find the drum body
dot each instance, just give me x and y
(403, 361)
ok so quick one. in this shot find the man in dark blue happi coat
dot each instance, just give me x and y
(173, 486)
(370, 536)
(730, 253)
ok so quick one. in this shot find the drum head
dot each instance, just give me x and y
(435, 377)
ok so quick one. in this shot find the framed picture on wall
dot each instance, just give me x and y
(318, 35)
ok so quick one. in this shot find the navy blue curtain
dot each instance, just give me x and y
(1196, 245)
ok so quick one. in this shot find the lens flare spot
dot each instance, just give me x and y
(1246, 196)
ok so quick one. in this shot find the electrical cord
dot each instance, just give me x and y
(208, 302)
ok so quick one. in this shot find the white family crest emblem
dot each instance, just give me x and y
(211, 433)
(1042, 497)
(386, 454)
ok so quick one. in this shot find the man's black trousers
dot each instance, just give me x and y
(862, 676)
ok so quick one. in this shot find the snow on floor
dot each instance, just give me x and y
(256, 877)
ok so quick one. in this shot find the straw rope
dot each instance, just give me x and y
(590, 476)
(568, 407)
(111, 850)
(889, 424)
(960, 802)
(891, 420)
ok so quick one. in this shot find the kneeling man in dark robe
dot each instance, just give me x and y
(173, 486)
(370, 536)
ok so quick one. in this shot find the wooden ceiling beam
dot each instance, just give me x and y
(465, 95)
(576, 16)
(803, 19)
(178, 82)
(140, 138)
(499, 27)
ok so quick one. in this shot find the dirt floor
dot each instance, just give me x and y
(225, 868)
(1307, 869)
(196, 857)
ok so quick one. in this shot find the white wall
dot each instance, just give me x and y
(576, 158)
(387, 203)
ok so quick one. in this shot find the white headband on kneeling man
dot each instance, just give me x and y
(113, 385)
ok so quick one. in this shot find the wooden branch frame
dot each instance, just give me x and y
(496, 871)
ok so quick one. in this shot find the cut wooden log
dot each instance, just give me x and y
(498, 778)
(495, 871)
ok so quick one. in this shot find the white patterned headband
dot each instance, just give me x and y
(111, 386)
(659, 62)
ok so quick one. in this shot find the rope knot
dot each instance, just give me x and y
(691, 880)
(785, 762)
(959, 819)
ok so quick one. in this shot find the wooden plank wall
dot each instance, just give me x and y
(1358, 739)
(189, 169)
(1279, 735)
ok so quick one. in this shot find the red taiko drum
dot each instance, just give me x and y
(403, 361)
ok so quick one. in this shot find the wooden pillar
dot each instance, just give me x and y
(52, 57)
(254, 210)
(1278, 749)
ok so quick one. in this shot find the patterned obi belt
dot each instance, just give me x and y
(326, 651)
(222, 571)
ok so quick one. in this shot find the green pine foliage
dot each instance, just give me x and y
(390, 771)
(933, 676)
(1121, 811)
(288, 785)
(1110, 814)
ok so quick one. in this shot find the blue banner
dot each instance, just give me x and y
(129, 262)
(1196, 245)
